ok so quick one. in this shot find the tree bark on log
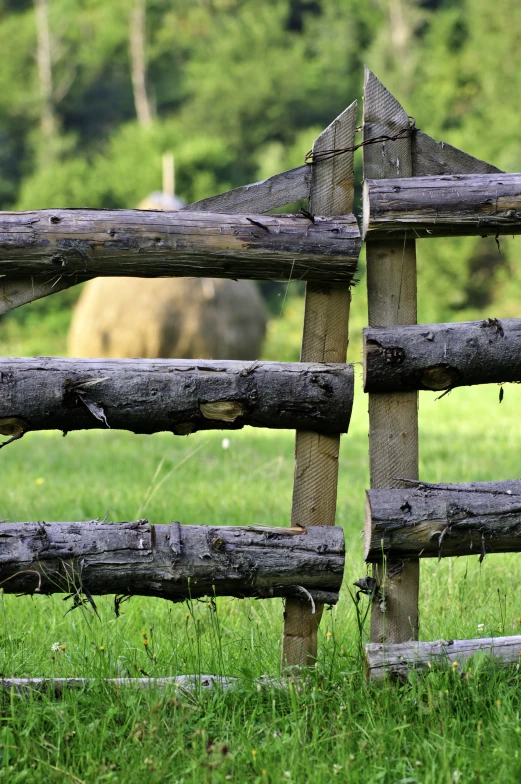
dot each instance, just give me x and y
(442, 206)
(171, 561)
(181, 396)
(436, 521)
(398, 660)
(442, 356)
(145, 243)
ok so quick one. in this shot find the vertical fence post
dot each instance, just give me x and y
(393, 418)
(325, 339)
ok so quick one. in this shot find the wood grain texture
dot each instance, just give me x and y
(145, 243)
(325, 339)
(442, 356)
(437, 521)
(181, 396)
(431, 157)
(393, 419)
(171, 561)
(396, 661)
(277, 191)
(17, 290)
(443, 206)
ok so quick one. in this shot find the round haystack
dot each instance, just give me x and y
(182, 318)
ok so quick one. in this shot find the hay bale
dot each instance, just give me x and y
(182, 318)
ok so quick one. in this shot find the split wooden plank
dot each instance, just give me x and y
(277, 191)
(181, 396)
(438, 521)
(442, 356)
(393, 419)
(430, 157)
(144, 243)
(446, 206)
(171, 561)
(396, 661)
(325, 339)
(17, 290)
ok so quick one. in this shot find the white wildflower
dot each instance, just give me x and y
(225, 443)
(56, 647)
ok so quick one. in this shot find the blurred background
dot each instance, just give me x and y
(94, 93)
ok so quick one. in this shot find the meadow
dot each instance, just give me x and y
(439, 727)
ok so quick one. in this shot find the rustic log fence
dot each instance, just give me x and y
(229, 235)
(413, 189)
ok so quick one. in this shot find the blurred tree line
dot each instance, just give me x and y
(93, 92)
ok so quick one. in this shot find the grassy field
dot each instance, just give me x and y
(437, 728)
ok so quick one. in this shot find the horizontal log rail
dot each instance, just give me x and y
(435, 521)
(442, 356)
(181, 396)
(442, 206)
(171, 561)
(145, 243)
(384, 660)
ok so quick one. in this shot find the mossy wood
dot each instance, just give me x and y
(171, 561)
(442, 206)
(181, 396)
(144, 243)
(442, 356)
(397, 661)
(436, 521)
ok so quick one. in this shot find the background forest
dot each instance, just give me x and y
(93, 92)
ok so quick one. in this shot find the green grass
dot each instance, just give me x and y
(436, 728)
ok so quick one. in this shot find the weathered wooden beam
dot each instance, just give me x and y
(393, 419)
(17, 290)
(442, 206)
(277, 191)
(181, 396)
(436, 521)
(396, 661)
(145, 243)
(325, 339)
(171, 561)
(442, 356)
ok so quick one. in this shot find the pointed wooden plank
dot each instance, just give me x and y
(276, 191)
(430, 158)
(325, 339)
(393, 419)
(16, 290)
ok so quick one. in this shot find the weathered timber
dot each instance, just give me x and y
(430, 157)
(17, 290)
(398, 660)
(181, 396)
(442, 206)
(171, 561)
(442, 356)
(146, 243)
(436, 521)
(393, 419)
(185, 684)
(277, 191)
(325, 339)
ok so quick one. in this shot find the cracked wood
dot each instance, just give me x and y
(435, 521)
(145, 243)
(181, 396)
(171, 561)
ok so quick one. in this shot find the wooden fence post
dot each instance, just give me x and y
(325, 339)
(393, 418)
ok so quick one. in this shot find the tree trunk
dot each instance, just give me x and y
(182, 396)
(138, 62)
(442, 356)
(398, 660)
(435, 521)
(171, 561)
(442, 206)
(44, 58)
(143, 243)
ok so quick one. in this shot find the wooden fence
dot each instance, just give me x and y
(230, 235)
(414, 188)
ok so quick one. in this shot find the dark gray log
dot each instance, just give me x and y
(435, 521)
(442, 206)
(276, 191)
(171, 561)
(145, 243)
(397, 661)
(442, 356)
(182, 396)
